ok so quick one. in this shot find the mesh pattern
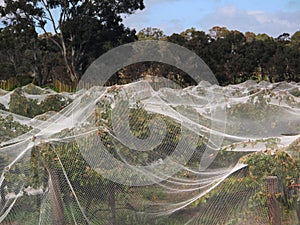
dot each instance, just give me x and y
(133, 154)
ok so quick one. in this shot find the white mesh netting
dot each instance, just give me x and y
(140, 154)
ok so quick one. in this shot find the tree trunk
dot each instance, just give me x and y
(112, 204)
(56, 200)
(70, 69)
(37, 67)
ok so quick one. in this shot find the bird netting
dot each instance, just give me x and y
(144, 154)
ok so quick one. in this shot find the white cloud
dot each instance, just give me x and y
(293, 4)
(260, 16)
(141, 16)
(273, 24)
(152, 2)
(228, 10)
(172, 26)
(168, 15)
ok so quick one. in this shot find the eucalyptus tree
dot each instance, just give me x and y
(83, 30)
(16, 51)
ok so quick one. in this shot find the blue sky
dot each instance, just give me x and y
(273, 17)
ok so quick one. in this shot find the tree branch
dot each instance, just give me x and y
(50, 15)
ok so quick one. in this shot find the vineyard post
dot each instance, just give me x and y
(272, 203)
(56, 200)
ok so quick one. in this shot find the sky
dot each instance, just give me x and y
(272, 17)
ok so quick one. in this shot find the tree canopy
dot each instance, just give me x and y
(52, 40)
(82, 30)
(235, 57)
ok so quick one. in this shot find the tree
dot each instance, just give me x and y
(16, 50)
(284, 64)
(195, 40)
(263, 37)
(49, 60)
(218, 32)
(176, 39)
(150, 33)
(83, 29)
(285, 37)
(250, 36)
(295, 39)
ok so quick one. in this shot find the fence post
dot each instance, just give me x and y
(56, 199)
(274, 212)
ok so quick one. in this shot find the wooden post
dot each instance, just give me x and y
(272, 203)
(112, 204)
(56, 200)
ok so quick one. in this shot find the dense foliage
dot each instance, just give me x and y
(85, 30)
(82, 31)
(234, 57)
